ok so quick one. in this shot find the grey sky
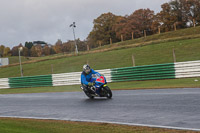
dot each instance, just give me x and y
(49, 20)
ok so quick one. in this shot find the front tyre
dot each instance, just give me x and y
(108, 93)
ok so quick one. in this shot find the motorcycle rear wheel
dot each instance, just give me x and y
(89, 95)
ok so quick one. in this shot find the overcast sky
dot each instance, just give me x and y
(49, 20)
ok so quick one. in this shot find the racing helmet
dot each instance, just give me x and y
(86, 69)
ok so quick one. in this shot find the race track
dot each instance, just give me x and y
(168, 108)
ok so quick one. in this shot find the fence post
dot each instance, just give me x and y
(174, 26)
(99, 43)
(159, 30)
(52, 68)
(133, 60)
(132, 35)
(88, 48)
(122, 38)
(145, 34)
(174, 55)
(110, 40)
(194, 23)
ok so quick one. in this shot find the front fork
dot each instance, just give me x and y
(102, 90)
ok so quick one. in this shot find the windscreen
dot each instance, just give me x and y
(96, 75)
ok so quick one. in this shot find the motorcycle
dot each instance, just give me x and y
(100, 88)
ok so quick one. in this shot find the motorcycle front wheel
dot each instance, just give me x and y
(108, 92)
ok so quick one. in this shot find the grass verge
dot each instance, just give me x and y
(12, 125)
(151, 84)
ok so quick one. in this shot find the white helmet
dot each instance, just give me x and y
(86, 69)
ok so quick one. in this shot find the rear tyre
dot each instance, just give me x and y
(89, 95)
(108, 92)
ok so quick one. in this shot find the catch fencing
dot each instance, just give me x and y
(148, 72)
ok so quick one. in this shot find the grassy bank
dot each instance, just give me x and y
(151, 84)
(183, 34)
(186, 50)
(155, 49)
(10, 125)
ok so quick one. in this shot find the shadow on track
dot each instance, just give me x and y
(96, 100)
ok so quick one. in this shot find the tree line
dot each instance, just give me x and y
(176, 14)
(31, 49)
(110, 28)
(43, 49)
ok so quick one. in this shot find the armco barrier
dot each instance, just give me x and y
(187, 69)
(4, 84)
(31, 81)
(160, 71)
(74, 78)
(148, 72)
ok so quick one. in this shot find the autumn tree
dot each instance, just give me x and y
(142, 19)
(14, 51)
(58, 46)
(2, 47)
(33, 51)
(179, 13)
(102, 30)
(52, 50)
(68, 46)
(193, 11)
(4, 51)
(46, 50)
(25, 51)
(178, 9)
(82, 45)
(7, 52)
(36, 51)
(137, 22)
(156, 24)
(122, 27)
(166, 18)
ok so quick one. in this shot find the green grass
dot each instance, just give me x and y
(15, 59)
(11, 125)
(151, 84)
(186, 50)
(41, 89)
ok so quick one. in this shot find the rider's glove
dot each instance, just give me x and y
(91, 84)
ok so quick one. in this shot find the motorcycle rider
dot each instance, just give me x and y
(86, 76)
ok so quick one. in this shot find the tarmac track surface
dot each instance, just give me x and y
(165, 108)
